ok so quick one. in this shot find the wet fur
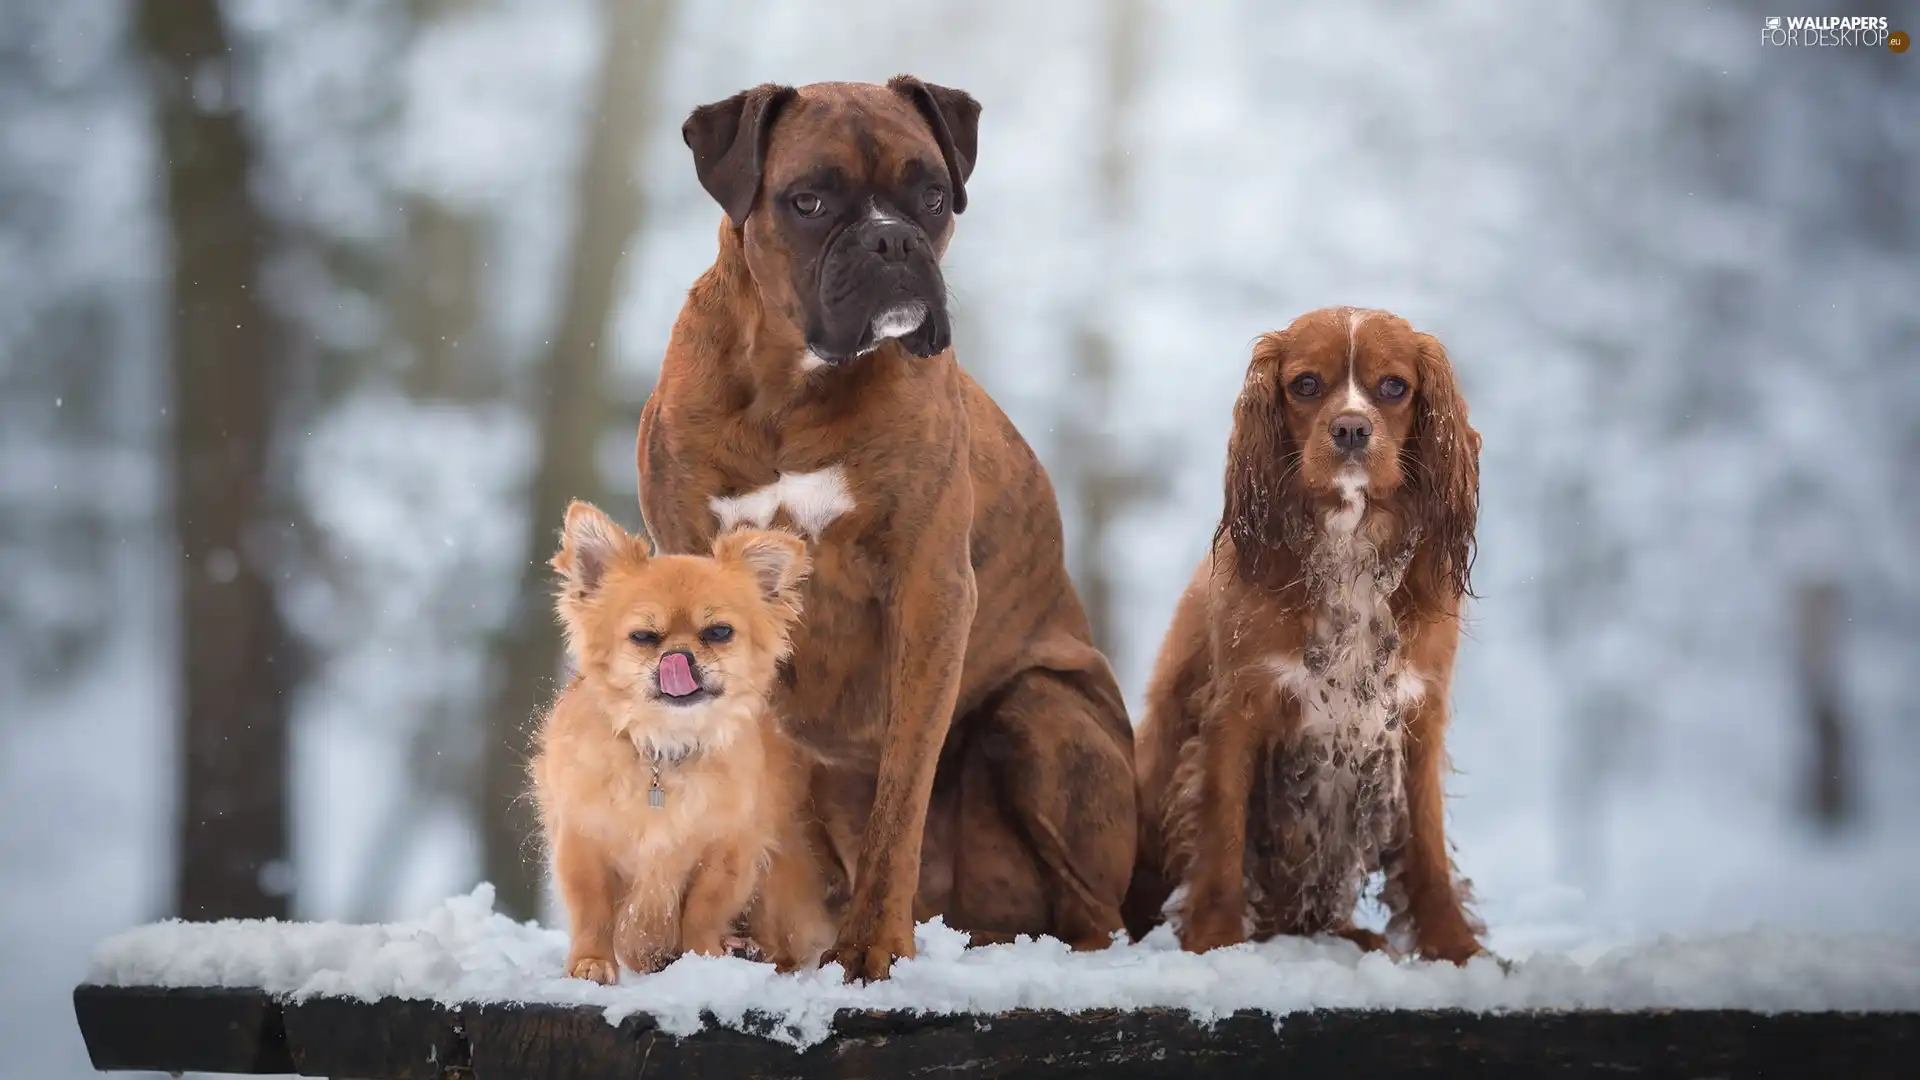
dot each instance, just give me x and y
(1294, 738)
(643, 884)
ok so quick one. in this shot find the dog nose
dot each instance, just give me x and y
(1351, 432)
(893, 241)
(676, 673)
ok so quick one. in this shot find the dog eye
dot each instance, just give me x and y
(935, 200)
(1305, 386)
(807, 204)
(1393, 388)
(644, 638)
(716, 634)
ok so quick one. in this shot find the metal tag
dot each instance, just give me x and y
(657, 798)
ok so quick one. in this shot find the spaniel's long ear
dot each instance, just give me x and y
(1445, 484)
(729, 143)
(1260, 457)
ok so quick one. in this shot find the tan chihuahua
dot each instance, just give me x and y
(671, 800)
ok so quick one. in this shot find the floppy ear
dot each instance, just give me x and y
(777, 559)
(729, 143)
(589, 542)
(954, 117)
(1261, 456)
(1444, 479)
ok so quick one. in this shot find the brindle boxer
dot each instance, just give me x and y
(975, 755)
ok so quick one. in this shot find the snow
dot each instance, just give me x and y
(463, 951)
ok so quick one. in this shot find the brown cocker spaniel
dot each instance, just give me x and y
(1294, 741)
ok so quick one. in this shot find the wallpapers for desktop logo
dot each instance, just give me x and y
(1843, 31)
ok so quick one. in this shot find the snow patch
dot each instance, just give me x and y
(462, 951)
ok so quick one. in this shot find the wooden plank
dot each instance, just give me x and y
(384, 1040)
(150, 1028)
(543, 1041)
(397, 1040)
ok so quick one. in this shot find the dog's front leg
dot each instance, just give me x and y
(589, 887)
(1218, 784)
(931, 610)
(1441, 928)
(789, 920)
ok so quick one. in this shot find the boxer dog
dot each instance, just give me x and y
(974, 758)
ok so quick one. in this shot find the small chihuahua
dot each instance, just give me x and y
(671, 800)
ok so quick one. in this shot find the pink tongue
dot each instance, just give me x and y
(676, 675)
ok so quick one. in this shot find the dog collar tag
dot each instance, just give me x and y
(656, 795)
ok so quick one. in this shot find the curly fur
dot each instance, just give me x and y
(1309, 661)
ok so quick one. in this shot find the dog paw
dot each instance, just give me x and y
(646, 960)
(596, 968)
(1454, 949)
(1368, 940)
(788, 963)
(869, 961)
(731, 945)
(1200, 934)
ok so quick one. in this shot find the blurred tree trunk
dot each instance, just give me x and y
(448, 354)
(233, 645)
(1829, 791)
(439, 305)
(444, 329)
(1107, 478)
(1601, 718)
(448, 360)
(569, 391)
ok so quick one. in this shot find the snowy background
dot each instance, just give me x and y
(1676, 270)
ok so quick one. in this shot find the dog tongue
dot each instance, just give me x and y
(676, 675)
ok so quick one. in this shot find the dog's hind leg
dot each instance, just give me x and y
(1062, 771)
(646, 928)
(723, 882)
(995, 892)
(790, 920)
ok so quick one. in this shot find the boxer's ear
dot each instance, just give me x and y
(729, 143)
(955, 119)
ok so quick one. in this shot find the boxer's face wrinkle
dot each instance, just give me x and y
(869, 148)
(868, 254)
(855, 262)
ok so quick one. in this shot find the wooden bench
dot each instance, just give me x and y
(251, 1032)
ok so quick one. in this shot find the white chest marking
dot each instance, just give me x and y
(1343, 519)
(1352, 682)
(811, 499)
